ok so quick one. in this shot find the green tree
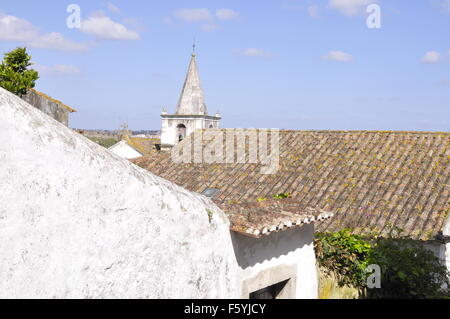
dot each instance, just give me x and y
(15, 75)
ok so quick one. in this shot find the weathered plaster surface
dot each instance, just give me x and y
(440, 249)
(47, 106)
(274, 257)
(77, 221)
(446, 232)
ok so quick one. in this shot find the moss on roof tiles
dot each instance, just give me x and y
(372, 180)
(143, 145)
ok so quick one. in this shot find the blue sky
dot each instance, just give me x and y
(288, 64)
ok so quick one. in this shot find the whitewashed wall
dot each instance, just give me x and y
(77, 221)
(446, 232)
(288, 248)
(441, 250)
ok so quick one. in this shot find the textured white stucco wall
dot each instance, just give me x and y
(446, 232)
(439, 249)
(292, 247)
(77, 221)
(124, 150)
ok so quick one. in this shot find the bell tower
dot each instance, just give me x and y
(191, 113)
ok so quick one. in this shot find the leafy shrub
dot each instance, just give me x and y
(409, 270)
(345, 255)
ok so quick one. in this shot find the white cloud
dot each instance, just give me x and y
(103, 28)
(206, 18)
(350, 7)
(57, 69)
(431, 57)
(112, 7)
(446, 5)
(168, 21)
(136, 24)
(194, 15)
(20, 30)
(210, 27)
(56, 41)
(16, 29)
(226, 14)
(292, 5)
(338, 56)
(313, 11)
(254, 53)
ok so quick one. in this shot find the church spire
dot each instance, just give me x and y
(192, 100)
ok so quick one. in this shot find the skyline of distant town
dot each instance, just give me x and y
(288, 64)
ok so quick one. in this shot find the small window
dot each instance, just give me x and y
(210, 192)
(271, 292)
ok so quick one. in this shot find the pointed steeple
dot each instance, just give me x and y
(192, 100)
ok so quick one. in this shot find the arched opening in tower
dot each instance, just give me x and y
(181, 132)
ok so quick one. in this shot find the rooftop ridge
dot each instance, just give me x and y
(331, 131)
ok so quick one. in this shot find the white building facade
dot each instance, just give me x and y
(279, 266)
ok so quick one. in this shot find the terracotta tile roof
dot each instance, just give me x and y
(258, 219)
(372, 181)
(53, 100)
(143, 145)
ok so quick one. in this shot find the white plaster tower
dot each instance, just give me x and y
(191, 113)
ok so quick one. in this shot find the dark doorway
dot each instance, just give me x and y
(181, 132)
(271, 292)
